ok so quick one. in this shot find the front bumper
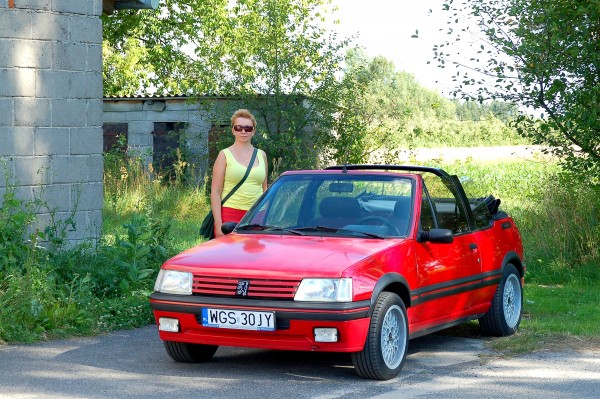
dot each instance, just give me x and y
(296, 322)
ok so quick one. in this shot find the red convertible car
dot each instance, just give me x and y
(353, 258)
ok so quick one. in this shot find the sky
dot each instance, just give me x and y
(385, 27)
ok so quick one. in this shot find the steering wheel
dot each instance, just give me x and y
(381, 219)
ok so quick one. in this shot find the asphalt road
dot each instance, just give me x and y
(133, 364)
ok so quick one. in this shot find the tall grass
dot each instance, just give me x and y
(134, 188)
(55, 292)
(558, 216)
(559, 220)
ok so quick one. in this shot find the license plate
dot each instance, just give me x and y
(238, 319)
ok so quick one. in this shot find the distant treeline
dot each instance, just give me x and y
(475, 111)
(387, 110)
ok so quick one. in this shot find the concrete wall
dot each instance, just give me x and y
(201, 115)
(51, 108)
(141, 114)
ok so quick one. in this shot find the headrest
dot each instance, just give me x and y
(339, 207)
(402, 208)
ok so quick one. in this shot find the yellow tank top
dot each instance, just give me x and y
(250, 190)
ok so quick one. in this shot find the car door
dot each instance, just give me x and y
(448, 273)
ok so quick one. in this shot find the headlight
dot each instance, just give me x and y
(174, 282)
(325, 290)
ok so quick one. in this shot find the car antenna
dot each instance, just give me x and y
(344, 170)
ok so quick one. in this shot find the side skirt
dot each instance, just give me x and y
(444, 326)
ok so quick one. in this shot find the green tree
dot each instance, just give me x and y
(284, 66)
(271, 56)
(476, 111)
(541, 55)
(121, 73)
(173, 44)
(387, 108)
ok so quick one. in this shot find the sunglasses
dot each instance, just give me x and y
(239, 128)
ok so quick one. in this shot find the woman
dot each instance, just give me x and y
(230, 167)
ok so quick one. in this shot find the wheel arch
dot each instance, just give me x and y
(512, 258)
(391, 282)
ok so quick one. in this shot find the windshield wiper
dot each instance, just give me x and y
(286, 229)
(372, 235)
(318, 228)
(256, 226)
(335, 230)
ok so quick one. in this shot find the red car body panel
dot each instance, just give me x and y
(441, 283)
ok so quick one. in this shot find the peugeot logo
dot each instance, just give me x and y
(242, 288)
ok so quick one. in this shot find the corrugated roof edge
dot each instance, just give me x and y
(176, 96)
(153, 97)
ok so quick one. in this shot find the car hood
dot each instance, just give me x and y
(260, 255)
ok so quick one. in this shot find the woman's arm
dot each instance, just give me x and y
(216, 189)
(264, 185)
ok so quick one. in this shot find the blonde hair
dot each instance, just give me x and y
(243, 113)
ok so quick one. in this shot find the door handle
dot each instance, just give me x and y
(473, 246)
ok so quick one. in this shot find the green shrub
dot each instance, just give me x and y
(124, 312)
(15, 216)
(139, 254)
(35, 306)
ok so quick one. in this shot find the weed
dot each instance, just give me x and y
(135, 253)
(123, 312)
(35, 306)
(15, 216)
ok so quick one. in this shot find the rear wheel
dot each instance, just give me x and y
(384, 353)
(189, 353)
(504, 316)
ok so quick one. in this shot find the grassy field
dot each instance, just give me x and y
(89, 290)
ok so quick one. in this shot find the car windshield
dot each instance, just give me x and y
(340, 204)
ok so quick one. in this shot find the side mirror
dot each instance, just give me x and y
(439, 236)
(228, 227)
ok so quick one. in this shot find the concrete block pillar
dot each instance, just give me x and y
(51, 108)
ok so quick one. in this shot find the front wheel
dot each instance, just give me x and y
(189, 353)
(504, 316)
(384, 353)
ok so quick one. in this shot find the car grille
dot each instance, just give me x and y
(255, 288)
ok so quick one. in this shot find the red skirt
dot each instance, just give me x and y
(231, 215)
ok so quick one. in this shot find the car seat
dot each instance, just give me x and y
(402, 214)
(338, 212)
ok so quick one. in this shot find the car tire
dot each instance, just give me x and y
(504, 316)
(189, 353)
(386, 345)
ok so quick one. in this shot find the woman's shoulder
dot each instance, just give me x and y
(222, 156)
(226, 152)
